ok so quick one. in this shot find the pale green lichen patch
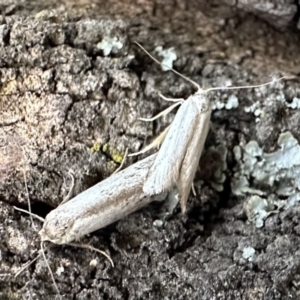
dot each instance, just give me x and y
(248, 253)
(168, 56)
(258, 108)
(158, 223)
(268, 177)
(108, 43)
(258, 209)
(230, 103)
(294, 104)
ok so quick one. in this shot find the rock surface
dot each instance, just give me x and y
(73, 85)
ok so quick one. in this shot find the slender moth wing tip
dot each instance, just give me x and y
(183, 208)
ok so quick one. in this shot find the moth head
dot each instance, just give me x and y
(57, 230)
(201, 100)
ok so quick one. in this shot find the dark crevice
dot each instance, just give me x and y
(207, 215)
(107, 86)
(297, 15)
(41, 209)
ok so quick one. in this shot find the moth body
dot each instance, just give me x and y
(177, 160)
(102, 204)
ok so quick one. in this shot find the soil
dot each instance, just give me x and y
(68, 107)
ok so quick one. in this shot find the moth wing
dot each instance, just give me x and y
(165, 171)
(191, 159)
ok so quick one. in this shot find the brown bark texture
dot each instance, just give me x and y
(70, 104)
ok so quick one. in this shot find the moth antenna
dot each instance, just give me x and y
(171, 69)
(84, 246)
(29, 213)
(50, 271)
(249, 86)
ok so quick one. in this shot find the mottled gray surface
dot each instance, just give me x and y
(279, 13)
(61, 97)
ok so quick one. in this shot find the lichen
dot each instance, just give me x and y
(248, 253)
(107, 44)
(116, 155)
(270, 177)
(96, 147)
(257, 108)
(231, 102)
(168, 56)
(258, 209)
(158, 223)
(294, 104)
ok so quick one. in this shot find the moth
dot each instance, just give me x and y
(183, 142)
(102, 204)
(178, 158)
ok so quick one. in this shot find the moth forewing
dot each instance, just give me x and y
(104, 203)
(164, 172)
(193, 151)
(182, 146)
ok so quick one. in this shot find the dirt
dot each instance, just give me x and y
(64, 103)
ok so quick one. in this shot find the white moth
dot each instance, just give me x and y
(178, 158)
(104, 203)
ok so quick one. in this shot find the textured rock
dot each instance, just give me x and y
(65, 105)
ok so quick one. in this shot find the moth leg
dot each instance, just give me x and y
(181, 100)
(193, 190)
(163, 113)
(29, 213)
(156, 143)
(86, 246)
